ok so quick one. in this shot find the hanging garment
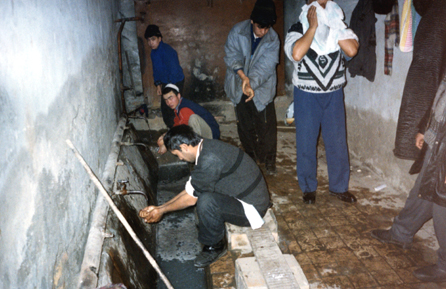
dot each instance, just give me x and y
(363, 24)
(383, 6)
(392, 35)
(409, 23)
(423, 78)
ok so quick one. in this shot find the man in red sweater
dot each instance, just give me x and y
(189, 113)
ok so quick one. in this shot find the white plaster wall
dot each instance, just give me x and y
(372, 113)
(383, 96)
(58, 81)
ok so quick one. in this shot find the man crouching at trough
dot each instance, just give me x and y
(226, 185)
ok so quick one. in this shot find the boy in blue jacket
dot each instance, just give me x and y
(166, 68)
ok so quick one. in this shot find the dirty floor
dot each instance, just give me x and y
(331, 239)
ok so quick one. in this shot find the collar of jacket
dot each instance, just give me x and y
(246, 31)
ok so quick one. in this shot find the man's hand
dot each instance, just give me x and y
(312, 17)
(159, 90)
(246, 86)
(160, 142)
(419, 140)
(247, 89)
(151, 214)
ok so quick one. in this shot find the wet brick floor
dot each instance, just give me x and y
(331, 239)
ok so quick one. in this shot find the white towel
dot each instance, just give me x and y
(331, 27)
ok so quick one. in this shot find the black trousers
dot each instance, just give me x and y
(213, 210)
(257, 130)
(167, 112)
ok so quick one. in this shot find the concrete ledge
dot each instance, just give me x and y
(269, 268)
(237, 236)
(248, 274)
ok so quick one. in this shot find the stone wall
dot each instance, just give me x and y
(58, 80)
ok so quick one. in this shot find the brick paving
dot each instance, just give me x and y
(331, 239)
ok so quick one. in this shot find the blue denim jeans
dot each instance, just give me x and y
(213, 210)
(325, 112)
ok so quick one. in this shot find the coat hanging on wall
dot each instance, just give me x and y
(392, 37)
(409, 23)
(423, 78)
(383, 6)
(363, 24)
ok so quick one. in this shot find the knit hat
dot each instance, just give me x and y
(152, 30)
(264, 13)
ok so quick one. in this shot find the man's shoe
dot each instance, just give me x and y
(431, 273)
(309, 198)
(345, 196)
(210, 254)
(386, 237)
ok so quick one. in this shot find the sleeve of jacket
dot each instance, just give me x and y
(265, 66)
(155, 70)
(424, 122)
(234, 58)
(158, 69)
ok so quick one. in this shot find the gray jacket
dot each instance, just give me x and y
(227, 170)
(260, 69)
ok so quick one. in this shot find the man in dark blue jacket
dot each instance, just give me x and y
(166, 68)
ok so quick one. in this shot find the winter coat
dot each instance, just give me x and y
(433, 171)
(260, 69)
(165, 64)
(424, 76)
(187, 107)
(363, 24)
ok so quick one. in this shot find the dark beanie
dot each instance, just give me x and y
(264, 13)
(152, 30)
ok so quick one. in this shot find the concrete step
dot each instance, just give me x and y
(275, 270)
(269, 268)
(237, 236)
(248, 274)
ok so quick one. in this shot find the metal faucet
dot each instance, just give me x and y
(121, 186)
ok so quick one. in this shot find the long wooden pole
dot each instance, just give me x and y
(118, 213)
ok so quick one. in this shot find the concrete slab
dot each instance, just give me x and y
(237, 236)
(273, 265)
(297, 271)
(248, 274)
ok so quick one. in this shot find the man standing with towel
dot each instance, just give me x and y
(316, 45)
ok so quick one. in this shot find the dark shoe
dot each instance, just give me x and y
(431, 273)
(210, 254)
(309, 198)
(345, 196)
(385, 237)
(270, 169)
